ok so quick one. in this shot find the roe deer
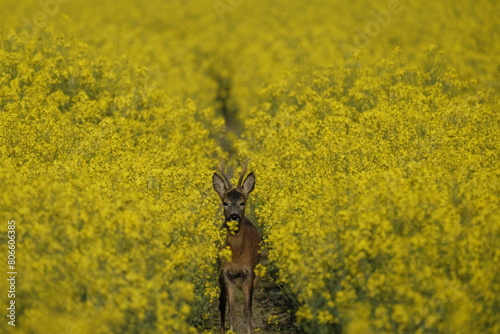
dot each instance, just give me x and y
(244, 242)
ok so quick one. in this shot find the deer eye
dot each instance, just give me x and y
(224, 203)
(242, 203)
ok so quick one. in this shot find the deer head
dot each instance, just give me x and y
(233, 198)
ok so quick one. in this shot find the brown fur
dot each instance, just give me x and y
(245, 247)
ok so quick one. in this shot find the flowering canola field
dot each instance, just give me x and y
(384, 211)
(373, 128)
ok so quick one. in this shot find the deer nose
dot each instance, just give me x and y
(234, 216)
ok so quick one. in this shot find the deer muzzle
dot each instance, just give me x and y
(235, 217)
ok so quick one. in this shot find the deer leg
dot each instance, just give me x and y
(228, 279)
(247, 284)
(230, 287)
(230, 295)
(222, 302)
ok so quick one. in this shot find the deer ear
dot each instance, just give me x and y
(249, 184)
(219, 185)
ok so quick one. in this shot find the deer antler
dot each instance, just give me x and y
(227, 180)
(240, 181)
